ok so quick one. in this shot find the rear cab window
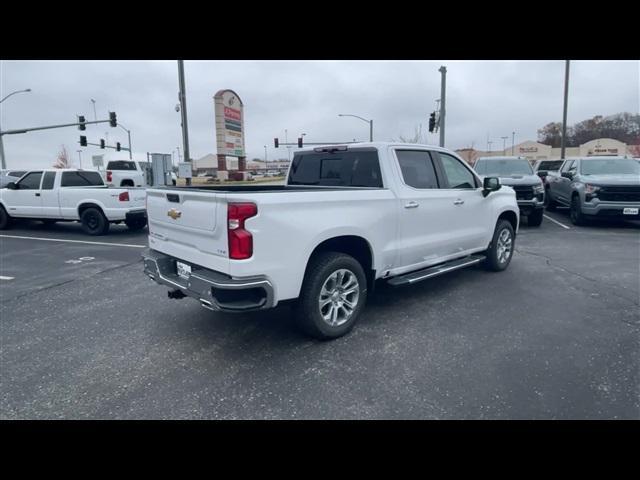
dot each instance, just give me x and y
(81, 179)
(121, 165)
(350, 168)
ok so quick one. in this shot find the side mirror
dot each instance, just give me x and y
(490, 184)
(542, 173)
(12, 186)
(568, 175)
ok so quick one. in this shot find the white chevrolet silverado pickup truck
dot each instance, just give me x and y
(348, 216)
(72, 195)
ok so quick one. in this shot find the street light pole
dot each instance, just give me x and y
(95, 115)
(2, 158)
(513, 138)
(128, 135)
(370, 122)
(564, 115)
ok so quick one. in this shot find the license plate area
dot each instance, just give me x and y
(630, 211)
(183, 270)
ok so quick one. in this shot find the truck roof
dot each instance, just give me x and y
(375, 145)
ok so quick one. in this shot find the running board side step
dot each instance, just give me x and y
(419, 275)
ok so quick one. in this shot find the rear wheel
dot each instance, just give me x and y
(333, 295)
(137, 224)
(94, 222)
(5, 219)
(535, 218)
(501, 249)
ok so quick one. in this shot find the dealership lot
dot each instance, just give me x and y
(557, 335)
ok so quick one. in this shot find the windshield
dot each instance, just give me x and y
(503, 167)
(550, 165)
(610, 166)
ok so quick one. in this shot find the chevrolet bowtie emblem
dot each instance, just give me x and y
(175, 214)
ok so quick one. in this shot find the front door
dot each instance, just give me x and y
(25, 200)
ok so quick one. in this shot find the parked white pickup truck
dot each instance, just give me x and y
(72, 195)
(348, 216)
(127, 173)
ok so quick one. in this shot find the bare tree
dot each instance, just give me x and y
(470, 155)
(63, 158)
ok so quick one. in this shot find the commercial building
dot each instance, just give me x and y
(534, 151)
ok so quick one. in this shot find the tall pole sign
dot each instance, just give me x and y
(229, 131)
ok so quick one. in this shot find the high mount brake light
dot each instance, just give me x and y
(338, 148)
(240, 240)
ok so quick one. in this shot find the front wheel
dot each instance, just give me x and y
(535, 218)
(333, 295)
(501, 249)
(94, 222)
(577, 217)
(5, 219)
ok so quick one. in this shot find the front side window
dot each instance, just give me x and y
(458, 176)
(31, 181)
(568, 165)
(81, 179)
(417, 168)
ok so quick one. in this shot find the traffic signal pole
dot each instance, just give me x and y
(25, 130)
(183, 112)
(443, 87)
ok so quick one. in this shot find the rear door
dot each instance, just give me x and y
(189, 225)
(471, 217)
(25, 201)
(50, 203)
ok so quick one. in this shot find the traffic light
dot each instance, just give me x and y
(102, 143)
(118, 146)
(432, 121)
(83, 141)
(276, 143)
(299, 142)
(81, 121)
(112, 119)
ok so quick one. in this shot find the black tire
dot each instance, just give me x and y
(5, 219)
(494, 261)
(137, 224)
(94, 222)
(575, 212)
(48, 222)
(535, 218)
(321, 270)
(550, 204)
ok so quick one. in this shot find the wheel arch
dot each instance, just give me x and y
(85, 205)
(511, 217)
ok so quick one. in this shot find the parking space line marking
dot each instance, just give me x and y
(2, 277)
(76, 241)
(557, 222)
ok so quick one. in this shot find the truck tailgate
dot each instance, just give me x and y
(189, 225)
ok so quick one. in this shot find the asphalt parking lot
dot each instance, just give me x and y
(557, 336)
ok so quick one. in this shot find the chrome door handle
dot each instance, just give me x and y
(458, 202)
(411, 205)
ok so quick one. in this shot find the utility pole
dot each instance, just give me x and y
(183, 113)
(80, 157)
(443, 87)
(564, 115)
(95, 115)
(513, 139)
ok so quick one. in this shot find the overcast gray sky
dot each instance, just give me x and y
(483, 97)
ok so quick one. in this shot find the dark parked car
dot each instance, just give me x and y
(597, 187)
(517, 173)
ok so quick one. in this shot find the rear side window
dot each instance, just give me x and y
(458, 176)
(355, 168)
(49, 178)
(81, 179)
(31, 181)
(417, 168)
(121, 165)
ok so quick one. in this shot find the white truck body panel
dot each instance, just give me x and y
(63, 202)
(290, 224)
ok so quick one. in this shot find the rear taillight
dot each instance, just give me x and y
(109, 176)
(240, 240)
(124, 197)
